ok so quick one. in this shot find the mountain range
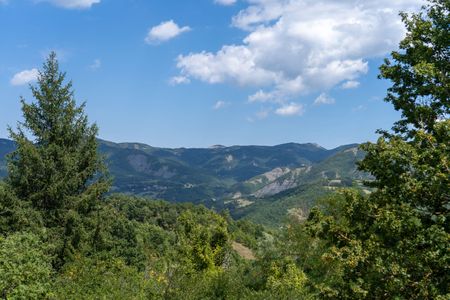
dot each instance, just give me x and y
(251, 181)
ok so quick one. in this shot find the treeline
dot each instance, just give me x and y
(63, 237)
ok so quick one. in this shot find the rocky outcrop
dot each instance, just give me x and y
(281, 179)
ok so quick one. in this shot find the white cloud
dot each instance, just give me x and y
(295, 47)
(351, 84)
(96, 64)
(324, 99)
(25, 77)
(74, 4)
(225, 2)
(261, 96)
(179, 80)
(231, 63)
(164, 32)
(220, 104)
(291, 109)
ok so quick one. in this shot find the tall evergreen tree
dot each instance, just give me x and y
(56, 166)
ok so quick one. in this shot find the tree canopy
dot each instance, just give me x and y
(394, 243)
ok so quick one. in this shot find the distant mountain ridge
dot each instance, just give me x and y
(234, 177)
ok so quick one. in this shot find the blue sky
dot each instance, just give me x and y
(194, 73)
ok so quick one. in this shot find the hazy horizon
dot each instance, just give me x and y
(217, 145)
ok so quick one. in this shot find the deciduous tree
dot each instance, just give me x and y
(394, 243)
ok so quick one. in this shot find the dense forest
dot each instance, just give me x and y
(63, 235)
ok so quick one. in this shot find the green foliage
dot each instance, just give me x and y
(205, 240)
(286, 279)
(246, 232)
(57, 173)
(90, 278)
(420, 70)
(59, 170)
(16, 215)
(394, 243)
(25, 267)
(273, 212)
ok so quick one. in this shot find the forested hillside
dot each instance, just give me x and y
(64, 234)
(198, 175)
(242, 179)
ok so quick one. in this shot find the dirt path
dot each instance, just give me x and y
(243, 251)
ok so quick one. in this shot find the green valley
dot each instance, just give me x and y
(242, 179)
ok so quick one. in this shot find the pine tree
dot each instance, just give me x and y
(56, 166)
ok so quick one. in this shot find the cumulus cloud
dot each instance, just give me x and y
(261, 96)
(74, 4)
(231, 63)
(25, 77)
(164, 32)
(225, 2)
(290, 109)
(324, 99)
(351, 84)
(220, 104)
(295, 47)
